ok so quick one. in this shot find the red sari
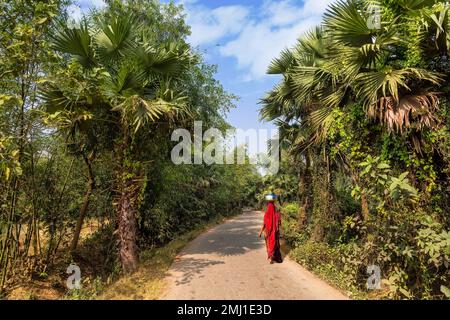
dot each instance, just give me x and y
(272, 220)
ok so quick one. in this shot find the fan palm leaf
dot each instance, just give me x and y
(74, 41)
(348, 23)
(115, 37)
(168, 61)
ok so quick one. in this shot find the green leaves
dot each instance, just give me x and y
(372, 98)
(122, 69)
(74, 41)
(282, 64)
(121, 84)
(381, 186)
(115, 37)
(348, 23)
(9, 159)
(346, 60)
(56, 100)
(166, 61)
(441, 21)
(400, 187)
(446, 291)
(412, 5)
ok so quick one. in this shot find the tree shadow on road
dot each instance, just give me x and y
(190, 267)
(235, 237)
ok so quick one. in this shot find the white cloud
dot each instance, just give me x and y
(280, 13)
(74, 12)
(316, 7)
(254, 35)
(259, 43)
(208, 26)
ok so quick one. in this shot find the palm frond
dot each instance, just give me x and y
(54, 99)
(415, 110)
(442, 25)
(169, 61)
(115, 37)
(126, 82)
(412, 5)
(389, 81)
(76, 42)
(282, 64)
(348, 23)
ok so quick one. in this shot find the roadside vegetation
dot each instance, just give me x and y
(363, 113)
(86, 114)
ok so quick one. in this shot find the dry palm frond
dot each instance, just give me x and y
(410, 110)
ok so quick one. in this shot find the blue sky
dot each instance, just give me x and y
(242, 37)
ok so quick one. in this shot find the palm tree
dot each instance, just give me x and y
(294, 106)
(129, 84)
(346, 60)
(395, 95)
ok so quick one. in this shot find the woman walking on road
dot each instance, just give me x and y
(271, 226)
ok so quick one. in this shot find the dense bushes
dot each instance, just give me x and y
(411, 250)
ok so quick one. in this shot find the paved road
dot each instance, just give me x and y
(229, 262)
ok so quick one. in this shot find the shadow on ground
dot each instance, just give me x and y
(233, 238)
(190, 267)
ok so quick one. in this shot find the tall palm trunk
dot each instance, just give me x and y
(323, 206)
(127, 209)
(7, 241)
(85, 205)
(127, 232)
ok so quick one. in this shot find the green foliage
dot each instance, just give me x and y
(290, 225)
(383, 189)
(284, 183)
(363, 113)
(324, 261)
(89, 290)
(9, 164)
(208, 191)
(103, 94)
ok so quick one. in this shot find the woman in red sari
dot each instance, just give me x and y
(271, 226)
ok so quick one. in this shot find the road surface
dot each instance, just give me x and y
(229, 262)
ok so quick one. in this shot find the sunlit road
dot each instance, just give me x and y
(229, 262)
